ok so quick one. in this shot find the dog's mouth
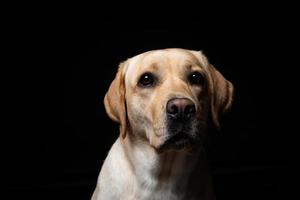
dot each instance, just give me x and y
(179, 141)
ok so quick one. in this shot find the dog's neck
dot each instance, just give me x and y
(172, 170)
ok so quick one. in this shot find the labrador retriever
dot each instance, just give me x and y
(163, 100)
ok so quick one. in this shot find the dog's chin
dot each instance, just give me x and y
(179, 142)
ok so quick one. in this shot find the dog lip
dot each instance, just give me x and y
(176, 137)
(177, 141)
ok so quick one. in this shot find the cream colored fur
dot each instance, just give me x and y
(135, 168)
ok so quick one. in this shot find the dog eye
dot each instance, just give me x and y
(146, 80)
(196, 78)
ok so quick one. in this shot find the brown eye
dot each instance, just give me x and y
(196, 78)
(146, 80)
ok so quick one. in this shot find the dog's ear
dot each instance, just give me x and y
(221, 92)
(114, 100)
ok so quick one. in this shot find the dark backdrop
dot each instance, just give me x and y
(63, 61)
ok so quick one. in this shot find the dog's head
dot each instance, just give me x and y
(164, 97)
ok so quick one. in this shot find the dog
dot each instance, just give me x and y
(163, 101)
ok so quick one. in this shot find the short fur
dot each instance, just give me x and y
(136, 166)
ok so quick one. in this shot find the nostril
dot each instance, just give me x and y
(173, 110)
(172, 107)
(189, 109)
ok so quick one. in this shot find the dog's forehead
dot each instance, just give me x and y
(163, 57)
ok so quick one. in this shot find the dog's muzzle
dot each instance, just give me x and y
(181, 124)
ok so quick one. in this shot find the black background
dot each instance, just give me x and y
(56, 133)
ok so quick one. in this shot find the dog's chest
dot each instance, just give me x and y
(157, 192)
(169, 182)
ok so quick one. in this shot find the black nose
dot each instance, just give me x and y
(180, 108)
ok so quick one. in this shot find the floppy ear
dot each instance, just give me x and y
(222, 92)
(114, 100)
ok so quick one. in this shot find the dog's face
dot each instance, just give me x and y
(164, 97)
